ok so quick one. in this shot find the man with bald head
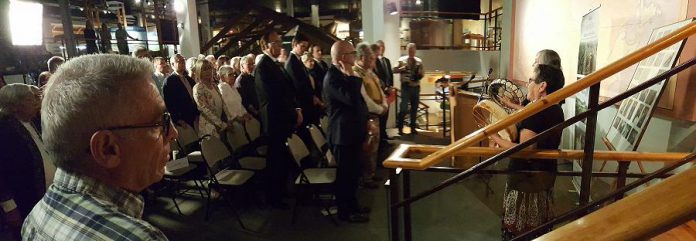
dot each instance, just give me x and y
(347, 113)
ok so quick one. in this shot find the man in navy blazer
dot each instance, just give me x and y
(384, 72)
(279, 115)
(304, 90)
(347, 128)
(177, 92)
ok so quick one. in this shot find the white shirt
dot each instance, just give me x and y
(233, 101)
(372, 106)
(49, 168)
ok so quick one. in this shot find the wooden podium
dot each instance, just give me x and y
(462, 118)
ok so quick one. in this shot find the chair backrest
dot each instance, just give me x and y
(297, 148)
(186, 135)
(317, 137)
(213, 150)
(253, 128)
(237, 136)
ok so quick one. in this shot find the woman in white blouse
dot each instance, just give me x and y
(230, 95)
(214, 117)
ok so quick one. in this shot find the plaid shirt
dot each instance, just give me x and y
(77, 207)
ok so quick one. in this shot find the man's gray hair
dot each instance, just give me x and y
(245, 59)
(225, 70)
(141, 51)
(11, 96)
(410, 45)
(86, 94)
(362, 50)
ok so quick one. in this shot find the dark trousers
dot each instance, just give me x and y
(347, 175)
(383, 126)
(410, 95)
(277, 168)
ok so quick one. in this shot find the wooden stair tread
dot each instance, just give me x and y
(684, 232)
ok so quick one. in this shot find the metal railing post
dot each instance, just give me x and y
(586, 180)
(393, 211)
(408, 234)
(621, 179)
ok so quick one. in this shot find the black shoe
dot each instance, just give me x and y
(401, 132)
(387, 138)
(354, 218)
(413, 130)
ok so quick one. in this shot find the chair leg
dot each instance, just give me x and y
(207, 205)
(234, 211)
(294, 207)
(174, 193)
(199, 188)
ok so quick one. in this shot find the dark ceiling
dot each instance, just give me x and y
(302, 7)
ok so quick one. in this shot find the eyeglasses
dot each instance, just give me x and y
(166, 125)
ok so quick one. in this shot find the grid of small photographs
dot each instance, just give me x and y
(634, 112)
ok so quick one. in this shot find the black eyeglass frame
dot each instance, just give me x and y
(166, 125)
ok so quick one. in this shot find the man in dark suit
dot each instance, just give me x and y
(304, 89)
(318, 62)
(347, 129)
(319, 70)
(385, 74)
(279, 115)
(178, 95)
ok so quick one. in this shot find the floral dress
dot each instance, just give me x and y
(209, 102)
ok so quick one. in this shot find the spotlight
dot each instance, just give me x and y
(178, 6)
(26, 23)
(419, 2)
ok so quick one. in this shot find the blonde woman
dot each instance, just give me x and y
(214, 115)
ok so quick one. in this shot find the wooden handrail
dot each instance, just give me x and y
(537, 106)
(408, 149)
(640, 216)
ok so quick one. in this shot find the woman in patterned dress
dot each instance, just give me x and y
(214, 117)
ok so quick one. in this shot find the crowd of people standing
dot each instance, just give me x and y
(286, 91)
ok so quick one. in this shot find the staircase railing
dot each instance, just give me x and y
(401, 163)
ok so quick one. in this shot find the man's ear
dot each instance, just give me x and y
(105, 149)
(543, 87)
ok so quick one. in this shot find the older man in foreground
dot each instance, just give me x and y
(108, 132)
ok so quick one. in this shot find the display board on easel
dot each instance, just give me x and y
(634, 113)
(587, 62)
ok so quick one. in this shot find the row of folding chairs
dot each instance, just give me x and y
(225, 167)
(247, 151)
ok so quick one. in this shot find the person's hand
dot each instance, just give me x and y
(509, 103)
(385, 109)
(300, 118)
(13, 219)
